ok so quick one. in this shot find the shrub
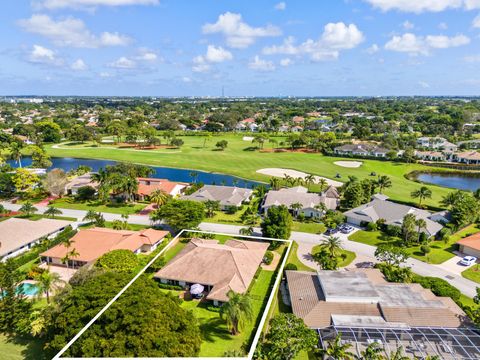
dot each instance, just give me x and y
(85, 193)
(291, 266)
(118, 260)
(425, 249)
(393, 230)
(444, 234)
(438, 286)
(231, 209)
(158, 264)
(371, 226)
(268, 258)
(213, 308)
(170, 287)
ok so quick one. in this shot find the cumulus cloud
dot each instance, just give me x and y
(335, 37)
(281, 6)
(424, 84)
(407, 25)
(259, 64)
(70, 32)
(420, 45)
(76, 4)
(373, 49)
(237, 33)
(123, 63)
(419, 6)
(79, 65)
(43, 55)
(286, 62)
(214, 55)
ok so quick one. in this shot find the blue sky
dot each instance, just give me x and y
(255, 48)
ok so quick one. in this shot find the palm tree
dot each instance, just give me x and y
(237, 311)
(296, 207)
(52, 212)
(309, 180)
(336, 350)
(211, 206)
(332, 245)
(246, 231)
(194, 175)
(383, 182)
(16, 153)
(421, 224)
(159, 197)
(47, 282)
(28, 209)
(129, 185)
(323, 184)
(90, 216)
(321, 207)
(398, 354)
(372, 352)
(275, 183)
(422, 194)
(450, 199)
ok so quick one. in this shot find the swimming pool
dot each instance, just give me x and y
(27, 289)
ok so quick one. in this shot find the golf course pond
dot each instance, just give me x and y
(173, 174)
(456, 180)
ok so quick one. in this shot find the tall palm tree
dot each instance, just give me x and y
(450, 199)
(383, 182)
(194, 175)
(296, 207)
(47, 282)
(237, 311)
(421, 224)
(90, 216)
(275, 183)
(332, 246)
(52, 212)
(159, 197)
(336, 350)
(309, 180)
(323, 184)
(130, 187)
(211, 206)
(421, 194)
(16, 153)
(28, 208)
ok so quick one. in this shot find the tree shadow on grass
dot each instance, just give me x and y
(213, 329)
(33, 348)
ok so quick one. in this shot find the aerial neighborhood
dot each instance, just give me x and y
(331, 225)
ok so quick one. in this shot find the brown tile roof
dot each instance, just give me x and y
(93, 243)
(225, 267)
(472, 241)
(408, 304)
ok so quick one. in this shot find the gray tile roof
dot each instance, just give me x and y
(226, 195)
(300, 194)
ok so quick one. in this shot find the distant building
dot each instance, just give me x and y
(436, 143)
(80, 181)
(361, 150)
(226, 195)
(392, 213)
(19, 235)
(146, 186)
(467, 157)
(218, 267)
(310, 201)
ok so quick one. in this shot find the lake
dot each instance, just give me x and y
(173, 174)
(452, 180)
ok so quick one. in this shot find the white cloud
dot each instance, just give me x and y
(105, 74)
(237, 33)
(43, 55)
(419, 6)
(281, 6)
(186, 79)
(472, 58)
(424, 84)
(286, 62)
(373, 49)
(476, 22)
(260, 64)
(443, 26)
(407, 25)
(59, 4)
(79, 65)
(214, 55)
(415, 45)
(335, 37)
(70, 32)
(123, 63)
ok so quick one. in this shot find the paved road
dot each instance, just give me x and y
(306, 242)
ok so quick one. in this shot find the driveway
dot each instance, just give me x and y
(453, 264)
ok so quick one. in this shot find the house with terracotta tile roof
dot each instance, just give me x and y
(90, 244)
(219, 268)
(146, 186)
(470, 245)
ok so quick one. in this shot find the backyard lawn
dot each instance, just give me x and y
(67, 203)
(240, 160)
(293, 259)
(14, 348)
(440, 252)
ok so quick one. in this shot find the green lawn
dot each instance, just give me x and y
(109, 224)
(174, 250)
(36, 217)
(222, 217)
(238, 160)
(293, 259)
(14, 348)
(67, 203)
(349, 256)
(472, 273)
(308, 227)
(440, 251)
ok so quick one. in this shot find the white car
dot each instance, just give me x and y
(468, 260)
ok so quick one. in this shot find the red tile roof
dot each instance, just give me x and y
(472, 241)
(156, 184)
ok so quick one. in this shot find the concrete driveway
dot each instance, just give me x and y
(453, 264)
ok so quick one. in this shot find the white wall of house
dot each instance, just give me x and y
(353, 221)
(469, 251)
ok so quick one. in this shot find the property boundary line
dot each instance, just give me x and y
(169, 245)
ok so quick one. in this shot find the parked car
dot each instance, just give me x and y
(346, 229)
(468, 260)
(331, 231)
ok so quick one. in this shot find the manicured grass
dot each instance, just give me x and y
(309, 227)
(222, 217)
(67, 203)
(174, 250)
(15, 348)
(440, 251)
(467, 231)
(293, 259)
(467, 301)
(349, 256)
(472, 273)
(36, 217)
(109, 225)
(239, 161)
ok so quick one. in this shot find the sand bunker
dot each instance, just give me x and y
(279, 172)
(348, 164)
(248, 138)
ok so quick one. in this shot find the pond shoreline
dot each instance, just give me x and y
(452, 179)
